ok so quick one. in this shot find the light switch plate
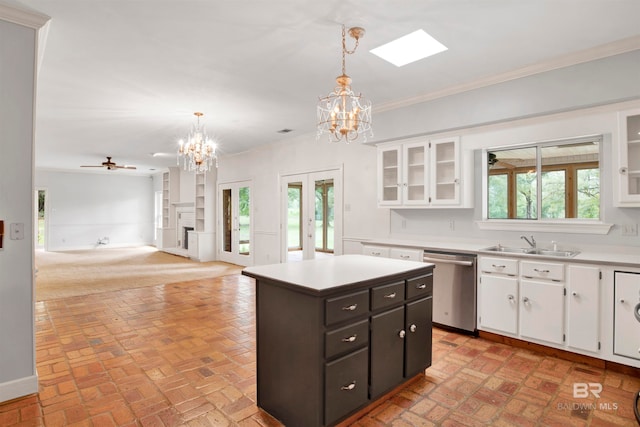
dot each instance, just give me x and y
(630, 229)
(16, 231)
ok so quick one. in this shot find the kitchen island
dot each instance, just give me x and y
(335, 334)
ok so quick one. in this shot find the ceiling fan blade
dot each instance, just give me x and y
(126, 167)
(92, 166)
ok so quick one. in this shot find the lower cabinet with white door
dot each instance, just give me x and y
(627, 314)
(551, 303)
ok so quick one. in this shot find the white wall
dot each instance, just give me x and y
(413, 223)
(18, 375)
(85, 207)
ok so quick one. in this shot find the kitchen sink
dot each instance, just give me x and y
(532, 251)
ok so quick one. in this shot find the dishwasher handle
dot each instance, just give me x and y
(447, 261)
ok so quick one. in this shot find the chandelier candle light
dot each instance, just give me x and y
(199, 152)
(343, 114)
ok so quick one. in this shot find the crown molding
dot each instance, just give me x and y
(598, 52)
(27, 18)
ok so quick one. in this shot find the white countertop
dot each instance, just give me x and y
(610, 255)
(327, 273)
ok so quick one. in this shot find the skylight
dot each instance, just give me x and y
(409, 48)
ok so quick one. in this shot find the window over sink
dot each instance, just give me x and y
(552, 182)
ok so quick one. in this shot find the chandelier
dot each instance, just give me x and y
(342, 114)
(199, 152)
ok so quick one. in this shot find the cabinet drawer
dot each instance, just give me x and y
(346, 385)
(346, 339)
(499, 265)
(346, 307)
(387, 295)
(422, 286)
(406, 254)
(540, 270)
(370, 250)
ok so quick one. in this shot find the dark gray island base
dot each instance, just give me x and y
(334, 335)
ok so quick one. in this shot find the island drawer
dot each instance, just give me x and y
(346, 339)
(499, 265)
(420, 286)
(538, 270)
(384, 296)
(346, 307)
(346, 385)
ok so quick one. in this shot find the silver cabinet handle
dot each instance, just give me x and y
(413, 328)
(511, 298)
(375, 253)
(421, 286)
(622, 301)
(405, 256)
(402, 334)
(391, 295)
(525, 300)
(352, 338)
(498, 266)
(574, 293)
(351, 307)
(540, 271)
(348, 387)
(623, 170)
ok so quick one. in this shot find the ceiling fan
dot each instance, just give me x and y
(109, 165)
(493, 160)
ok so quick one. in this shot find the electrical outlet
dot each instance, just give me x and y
(452, 225)
(630, 229)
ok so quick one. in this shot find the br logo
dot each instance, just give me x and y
(582, 390)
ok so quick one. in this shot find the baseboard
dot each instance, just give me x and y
(18, 388)
(562, 354)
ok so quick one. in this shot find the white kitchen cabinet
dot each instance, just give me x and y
(627, 172)
(407, 254)
(542, 310)
(422, 173)
(627, 314)
(498, 303)
(583, 307)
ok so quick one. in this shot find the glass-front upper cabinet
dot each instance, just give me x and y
(628, 170)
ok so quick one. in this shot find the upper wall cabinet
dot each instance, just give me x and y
(422, 173)
(627, 175)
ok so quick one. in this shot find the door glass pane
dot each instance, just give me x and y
(498, 196)
(324, 216)
(294, 216)
(227, 220)
(244, 221)
(633, 154)
(554, 194)
(526, 195)
(588, 193)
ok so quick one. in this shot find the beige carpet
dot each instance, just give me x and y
(73, 273)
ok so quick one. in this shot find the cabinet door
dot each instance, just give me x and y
(418, 339)
(498, 303)
(627, 315)
(345, 385)
(542, 310)
(445, 173)
(387, 350)
(415, 173)
(583, 320)
(389, 176)
(628, 170)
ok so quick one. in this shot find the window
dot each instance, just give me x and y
(551, 180)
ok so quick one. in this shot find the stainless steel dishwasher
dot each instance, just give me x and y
(454, 290)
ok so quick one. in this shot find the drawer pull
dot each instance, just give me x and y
(351, 307)
(405, 256)
(498, 266)
(540, 271)
(352, 338)
(574, 293)
(511, 298)
(375, 253)
(402, 334)
(525, 300)
(349, 387)
(391, 295)
(421, 286)
(413, 328)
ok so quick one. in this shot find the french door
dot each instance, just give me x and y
(311, 223)
(234, 226)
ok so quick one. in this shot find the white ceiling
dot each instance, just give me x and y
(123, 77)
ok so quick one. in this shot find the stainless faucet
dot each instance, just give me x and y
(531, 242)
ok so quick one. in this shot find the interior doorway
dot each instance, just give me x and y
(312, 215)
(40, 219)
